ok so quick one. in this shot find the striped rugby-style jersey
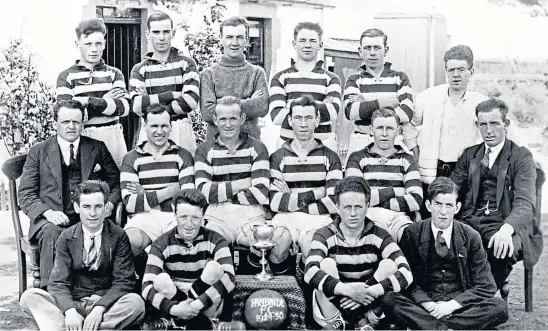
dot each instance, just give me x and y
(320, 170)
(290, 84)
(174, 166)
(161, 80)
(395, 181)
(79, 82)
(392, 84)
(355, 263)
(184, 262)
(216, 169)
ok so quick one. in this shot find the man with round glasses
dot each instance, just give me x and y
(447, 113)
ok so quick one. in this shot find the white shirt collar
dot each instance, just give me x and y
(95, 234)
(495, 151)
(446, 234)
(65, 145)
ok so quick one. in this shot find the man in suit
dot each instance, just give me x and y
(52, 171)
(453, 285)
(496, 180)
(93, 277)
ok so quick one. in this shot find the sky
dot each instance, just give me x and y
(493, 32)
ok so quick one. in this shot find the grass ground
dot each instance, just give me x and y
(12, 318)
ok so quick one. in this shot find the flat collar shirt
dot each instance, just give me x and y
(446, 234)
(65, 148)
(453, 122)
(495, 151)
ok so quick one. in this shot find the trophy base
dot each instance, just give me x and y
(263, 277)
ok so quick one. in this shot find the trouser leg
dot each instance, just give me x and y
(408, 313)
(484, 315)
(47, 237)
(128, 310)
(41, 305)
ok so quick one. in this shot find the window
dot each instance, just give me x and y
(255, 51)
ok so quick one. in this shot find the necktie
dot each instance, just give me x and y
(485, 161)
(91, 256)
(72, 158)
(441, 245)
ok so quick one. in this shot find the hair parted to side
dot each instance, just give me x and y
(192, 197)
(372, 33)
(460, 52)
(235, 21)
(88, 27)
(442, 185)
(228, 101)
(69, 104)
(303, 101)
(352, 184)
(159, 16)
(492, 104)
(154, 109)
(90, 187)
(307, 26)
(384, 113)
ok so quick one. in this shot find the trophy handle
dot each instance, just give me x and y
(276, 238)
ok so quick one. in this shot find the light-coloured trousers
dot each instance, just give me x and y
(112, 136)
(128, 310)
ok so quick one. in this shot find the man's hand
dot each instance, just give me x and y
(172, 189)
(280, 185)
(443, 309)
(94, 318)
(135, 188)
(140, 90)
(390, 102)
(56, 217)
(240, 185)
(115, 93)
(320, 193)
(501, 242)
(184, 310)
(257, 94)
(109, 207)
(328, 99)
(358, 293)
(356, 98)
(73, 320)
(429, 306)
(349, 304)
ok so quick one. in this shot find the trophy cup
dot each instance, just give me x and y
(263, 233)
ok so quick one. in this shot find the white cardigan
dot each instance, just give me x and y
(429, 108)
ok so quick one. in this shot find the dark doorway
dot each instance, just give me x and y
(123, 51)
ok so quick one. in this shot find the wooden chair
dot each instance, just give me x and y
(528, 270)
(13, 168)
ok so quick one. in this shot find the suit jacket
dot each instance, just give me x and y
(70, 280)
(41, 186)
(516, 191)
(476, 281)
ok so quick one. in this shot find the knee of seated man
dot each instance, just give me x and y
(135, 301)
(305, 239)
(28, 298)
(213, 270)
(50, 230)
(330, 267)
(385, 269)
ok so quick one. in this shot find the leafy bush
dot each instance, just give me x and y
(26, 103)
